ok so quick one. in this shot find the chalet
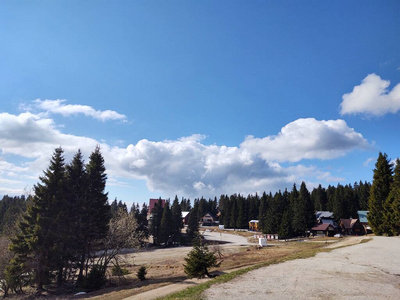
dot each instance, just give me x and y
(351, 227)
(323, 229)
(152, 203)
(362, 216)
(185, 217)
(253, 225)
(208, 220)
(326, 217)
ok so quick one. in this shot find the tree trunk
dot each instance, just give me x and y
(208, 274)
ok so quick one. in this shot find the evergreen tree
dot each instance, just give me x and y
(224, 208)
(363, 190)
(380, 190)
(285, 228)
(95, 213)
(241, 220)
(35, 245)
(193, 222)
(263, 212)
(77, 198)
(177, 223)
(155, 226)
(11, 208)
(392, 204)
(303, 212)
(234, 211)
(199, 260)
(202, 210)
(254, 203)
(185, 204)
(319, 198)
(166, 229)
(339, 208)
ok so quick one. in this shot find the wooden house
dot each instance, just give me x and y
(253, 225)
(208, 220)
(351, 227)
(323, 229)
(185, 217)
(362, 216)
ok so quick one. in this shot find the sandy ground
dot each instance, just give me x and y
(156, 255)
(364, 271)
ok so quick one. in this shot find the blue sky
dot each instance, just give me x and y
(200, 98)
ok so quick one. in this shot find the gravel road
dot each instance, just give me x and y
(155, 255)
(364, 271)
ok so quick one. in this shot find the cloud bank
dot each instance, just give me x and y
(186, 166)
(372, 97)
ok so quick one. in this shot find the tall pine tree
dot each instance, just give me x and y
(392, 204)
(177, 223)
(380, 190)
(38, 243)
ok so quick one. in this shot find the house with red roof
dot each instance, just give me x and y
(153, 202)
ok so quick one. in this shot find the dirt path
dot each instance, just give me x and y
(364, 271)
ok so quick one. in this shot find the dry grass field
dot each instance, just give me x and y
(165, 265)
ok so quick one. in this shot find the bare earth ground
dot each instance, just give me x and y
(364, 271)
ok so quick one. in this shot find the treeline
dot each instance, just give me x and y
(10, 210)
(293, 213)
(65, 225)
(384, 202)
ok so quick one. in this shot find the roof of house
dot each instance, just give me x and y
(184, 214)
(362, 215)
(253, 221)
(322, 227)
(209, 215)
(348, 223)
(328, 221)
(324, 214)
(153, 202)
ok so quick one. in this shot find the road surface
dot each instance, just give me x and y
(364, 271)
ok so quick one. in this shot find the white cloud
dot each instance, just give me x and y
(185, 166)
(58, 107)
(369, 161)
(307, 139)
(371, 97)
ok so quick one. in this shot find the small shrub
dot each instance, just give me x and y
(118, 271)
(95, 279)
(141, 274)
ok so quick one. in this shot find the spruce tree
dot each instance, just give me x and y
(193, 223)
(77, 197)
(263, 212)
(199, 260)
(392, 204)
(303, 211)
(95, 213)
(155, 226)
(37, 245)
(380, 190)
(177, 223)
(166, 228)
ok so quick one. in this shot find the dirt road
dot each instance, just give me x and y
(364, 271)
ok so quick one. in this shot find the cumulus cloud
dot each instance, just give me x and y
(59, 107)
(307, 139)
(185, 166)
(372, 97)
